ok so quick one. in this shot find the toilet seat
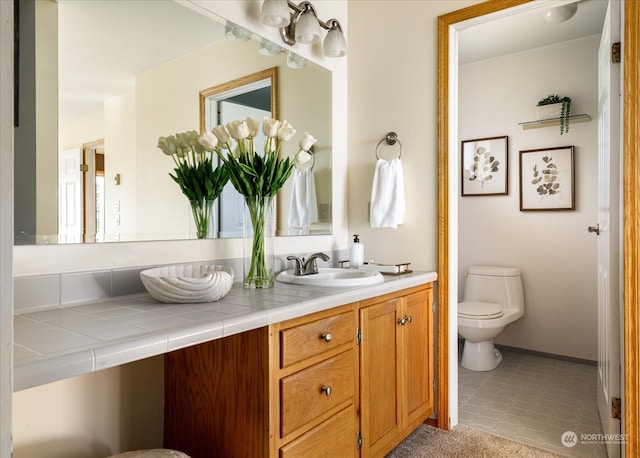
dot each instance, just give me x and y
(479, 310)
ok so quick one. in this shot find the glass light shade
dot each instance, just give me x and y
(275, 13)
(234, 32)
(335, 44)
(561, 13)
(295, 61)
(267, 48)
(308, 29)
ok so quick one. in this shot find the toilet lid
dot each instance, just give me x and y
(479, 310)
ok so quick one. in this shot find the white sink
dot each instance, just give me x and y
(328, 276)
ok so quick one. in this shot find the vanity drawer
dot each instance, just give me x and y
(311, 339)
(302, 395)
(335, 437)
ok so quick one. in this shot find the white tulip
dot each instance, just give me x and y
(208, 141)
(254, 127)
(221, 133)
(306, 142)
(285, 131)
(270, 127)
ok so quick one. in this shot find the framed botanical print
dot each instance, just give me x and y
(547, 179)
(485, 166)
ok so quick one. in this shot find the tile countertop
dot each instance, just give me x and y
(61, 343)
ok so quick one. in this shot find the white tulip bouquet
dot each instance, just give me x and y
(196, 175)
(257, 176)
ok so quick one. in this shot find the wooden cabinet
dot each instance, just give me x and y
(307, 387)
(396, 367)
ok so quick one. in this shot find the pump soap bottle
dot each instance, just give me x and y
(356, 253)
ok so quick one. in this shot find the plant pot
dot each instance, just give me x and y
(551, 111)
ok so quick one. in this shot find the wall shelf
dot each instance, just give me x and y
(553, 122)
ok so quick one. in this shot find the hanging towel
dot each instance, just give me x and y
(387, 194)
(304, 208)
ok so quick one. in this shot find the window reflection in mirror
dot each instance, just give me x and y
(137, 94)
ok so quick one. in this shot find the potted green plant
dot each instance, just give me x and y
(555, 107)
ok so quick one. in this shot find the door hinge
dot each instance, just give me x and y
(615, 53)
(434, 385)
(359, 440)
(84, 167)
(358, 336)
(616, 408)
(433, 306)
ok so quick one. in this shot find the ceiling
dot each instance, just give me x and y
(528, 30)
(103, 44)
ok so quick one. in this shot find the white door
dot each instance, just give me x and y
(70, 196)
(608, 227)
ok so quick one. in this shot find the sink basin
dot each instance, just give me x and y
(333, 277)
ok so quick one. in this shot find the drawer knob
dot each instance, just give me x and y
(326, 337)
(326, 390)
(409, 319)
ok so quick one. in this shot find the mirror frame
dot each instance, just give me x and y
(271, 73)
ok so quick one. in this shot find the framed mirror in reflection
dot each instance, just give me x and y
(116, 94)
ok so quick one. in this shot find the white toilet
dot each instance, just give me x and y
(493, 298)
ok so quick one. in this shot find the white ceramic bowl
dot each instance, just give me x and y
(188, 283)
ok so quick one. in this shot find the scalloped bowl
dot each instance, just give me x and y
(188, 283)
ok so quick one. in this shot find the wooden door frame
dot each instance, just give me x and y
(631, 210)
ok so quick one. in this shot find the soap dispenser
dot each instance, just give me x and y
(356, 253)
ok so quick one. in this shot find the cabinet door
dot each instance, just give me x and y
(379, 366)
(418, 361)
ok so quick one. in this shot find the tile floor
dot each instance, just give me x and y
(534, 400)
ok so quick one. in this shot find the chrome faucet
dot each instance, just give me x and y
(308, 266)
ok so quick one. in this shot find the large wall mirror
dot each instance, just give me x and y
(110, 79)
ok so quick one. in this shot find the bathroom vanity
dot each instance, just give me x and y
(291, 371)
(349, 381)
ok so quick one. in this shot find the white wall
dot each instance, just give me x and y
(393, 87)
(556, 254)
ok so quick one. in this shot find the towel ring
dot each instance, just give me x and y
(390, 139)
(310, 167)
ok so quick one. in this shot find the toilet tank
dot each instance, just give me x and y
(502, 285)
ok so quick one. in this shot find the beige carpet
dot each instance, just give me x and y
(463, 442)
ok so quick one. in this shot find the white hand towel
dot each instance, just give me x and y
(387, 194)
(304, 207)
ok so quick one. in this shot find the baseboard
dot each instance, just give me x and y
(543, 354)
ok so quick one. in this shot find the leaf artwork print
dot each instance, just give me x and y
(546, 179)
(484, 166)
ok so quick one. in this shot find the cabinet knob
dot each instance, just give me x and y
(326, 337)
(405, 320)
(326, 390)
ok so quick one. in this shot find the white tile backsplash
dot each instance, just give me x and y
(83, 286)
(38, 292)
(44, 292)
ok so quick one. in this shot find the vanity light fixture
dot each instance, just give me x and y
(561, 13)
(302, 25)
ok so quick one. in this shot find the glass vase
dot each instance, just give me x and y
(202, 220)
(259, 232)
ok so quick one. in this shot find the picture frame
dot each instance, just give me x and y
(485, 166)
(547, 179)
